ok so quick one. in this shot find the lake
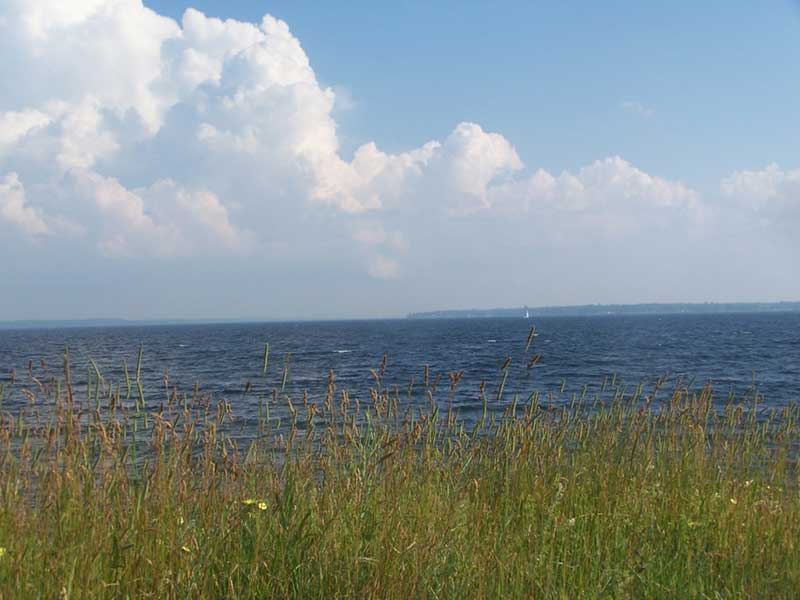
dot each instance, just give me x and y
(732, 351)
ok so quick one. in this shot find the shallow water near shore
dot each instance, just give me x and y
(578, 355)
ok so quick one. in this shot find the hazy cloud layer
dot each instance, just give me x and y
(126, 135)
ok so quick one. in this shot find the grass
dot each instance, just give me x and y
(663, 495)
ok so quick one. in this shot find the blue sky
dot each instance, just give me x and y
(196, 159)
(719, 76)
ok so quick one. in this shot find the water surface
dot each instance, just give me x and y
(731, 351)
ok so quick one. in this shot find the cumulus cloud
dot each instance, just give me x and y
(610, 196)
(770, 195)
(14, 208)
(158, 134)
(164, 219)
(771, 184)
(15, 125)
(69, 50)
(136, 135)
(471, 159)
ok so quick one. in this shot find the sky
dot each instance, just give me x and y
(288, 160)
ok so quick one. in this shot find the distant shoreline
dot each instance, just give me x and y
(593, 310)
(584, 310)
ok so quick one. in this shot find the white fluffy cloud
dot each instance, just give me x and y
(164, 219)
(609, 196)
(763, 206)
(14, 208)
(135, 135)
(149, 132)
(772, 194)
(69, 51)
(15, 125)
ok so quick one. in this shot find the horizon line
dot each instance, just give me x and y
(100, 321)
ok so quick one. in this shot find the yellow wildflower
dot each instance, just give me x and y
(262, 506)
(185, 549)
(3, 552)
(248, 502)
(733, 501)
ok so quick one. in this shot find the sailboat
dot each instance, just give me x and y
(527, 314)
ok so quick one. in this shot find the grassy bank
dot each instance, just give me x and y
(660, 495)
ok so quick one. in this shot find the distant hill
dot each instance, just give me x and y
(473, 313)
(613, 309)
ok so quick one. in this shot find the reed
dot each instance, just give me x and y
(665, 494)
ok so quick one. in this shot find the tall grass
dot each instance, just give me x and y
(111, 495)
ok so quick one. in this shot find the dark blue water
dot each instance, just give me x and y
(730, 351)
